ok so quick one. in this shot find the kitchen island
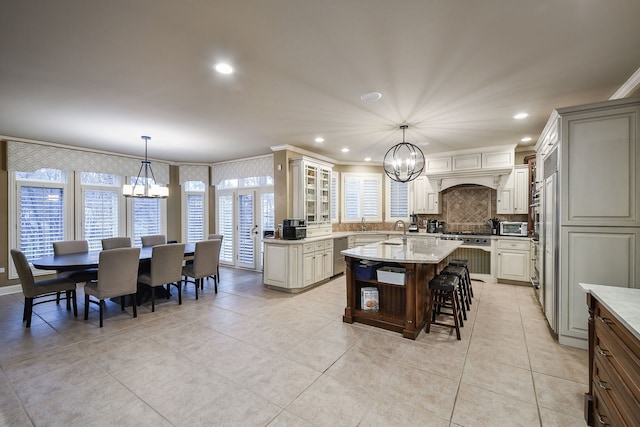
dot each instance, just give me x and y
(402, 306)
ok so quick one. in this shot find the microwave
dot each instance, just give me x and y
(294, 229)
(513, 228)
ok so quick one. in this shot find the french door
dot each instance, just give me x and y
(236, 220)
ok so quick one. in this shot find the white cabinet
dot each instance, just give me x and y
(466, 162)
(461, 162)
(505, 201)
(436, 165)
(514, 259)
(426, 199)
(499, 159)
(521, 189)
(311, 194)
(294, 266)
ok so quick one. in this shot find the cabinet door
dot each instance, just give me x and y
(324, 196)
(505, 201)
(419, 186)
(328, 263)
(275, 265)
(513, 265)
(308, 269)
(433, 202)
(521, 189)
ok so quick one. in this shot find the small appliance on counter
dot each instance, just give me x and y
(413, 227)
(494, 223)
(513, 229)
(294, 229)
(432, 226)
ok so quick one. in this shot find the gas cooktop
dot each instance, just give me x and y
(469, 239)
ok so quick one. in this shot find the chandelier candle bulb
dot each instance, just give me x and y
(403, 162)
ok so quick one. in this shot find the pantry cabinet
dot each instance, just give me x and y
(514, 259)
(311, 194)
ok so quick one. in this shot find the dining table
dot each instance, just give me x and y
(91, 259)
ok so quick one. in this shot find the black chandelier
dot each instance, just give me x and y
(145, 186)
(403, 162)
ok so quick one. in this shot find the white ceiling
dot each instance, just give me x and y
(100, 74)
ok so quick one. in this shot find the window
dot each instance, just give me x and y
(195, 210)
(41, 208)
(361, 197)
(335, 185)
(147, 217)
(101, 210)
(397, 203)
(225, 226)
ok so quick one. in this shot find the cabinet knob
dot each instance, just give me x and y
(602, 385)
(601, 420)
(605, 320)
(604, 353)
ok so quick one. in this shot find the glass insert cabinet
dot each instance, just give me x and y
(311, 194)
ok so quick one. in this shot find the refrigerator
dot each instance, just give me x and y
(550, 232)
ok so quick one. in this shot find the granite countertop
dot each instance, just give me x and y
(623, 303)
(416, 250)
(338, 234)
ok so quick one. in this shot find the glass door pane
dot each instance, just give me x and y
(247, 229)
(226, 228)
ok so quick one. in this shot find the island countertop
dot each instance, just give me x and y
(414, 250)
(623, 303)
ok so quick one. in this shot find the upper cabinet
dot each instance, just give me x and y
(426, 198)
(487, 160)
(311, 194)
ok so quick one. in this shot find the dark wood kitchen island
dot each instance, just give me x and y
(402, 306)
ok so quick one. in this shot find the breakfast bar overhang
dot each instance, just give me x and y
(402, 307)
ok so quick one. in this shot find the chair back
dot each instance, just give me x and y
(215, 237)
(70, 247)
(205, 259)
(118, 272)
(154, 240)
(116, 242)
(166, 263)
(24, 273)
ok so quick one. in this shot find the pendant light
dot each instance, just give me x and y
(145, 186)
(403, 162)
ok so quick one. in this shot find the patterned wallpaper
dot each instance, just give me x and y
(246, 168)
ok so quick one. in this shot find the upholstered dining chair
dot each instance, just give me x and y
(66, 247)
(117, 277)
(116, 242)
(42, 288)
(156, 239)
(166, 269)
(217, 237)
(205, 264)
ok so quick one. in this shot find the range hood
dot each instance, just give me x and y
(491, 179)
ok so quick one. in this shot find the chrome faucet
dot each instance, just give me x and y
(362, 227)
(404, 230)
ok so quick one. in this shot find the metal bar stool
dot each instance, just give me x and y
(443, 294)
(464, 263)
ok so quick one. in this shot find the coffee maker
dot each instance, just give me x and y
(414, 223)
(432, 226)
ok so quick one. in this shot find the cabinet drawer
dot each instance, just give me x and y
(518, 245)
(602, 414)
(619, 352)
(318, 246)
(308, 247)
(619, 398)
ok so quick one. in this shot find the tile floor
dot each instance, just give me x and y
(249, 356)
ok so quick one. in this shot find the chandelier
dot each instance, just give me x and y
(145, 185)
(403, 162)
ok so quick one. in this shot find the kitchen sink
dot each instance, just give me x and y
(391, 243)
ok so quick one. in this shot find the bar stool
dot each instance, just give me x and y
(443, 294)
(464, 263)
(461, 274)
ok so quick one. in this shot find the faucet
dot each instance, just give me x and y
(404, 230)
(362, 227)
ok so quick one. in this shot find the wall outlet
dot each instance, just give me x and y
(1, 269)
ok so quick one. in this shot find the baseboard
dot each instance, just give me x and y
(13, 289)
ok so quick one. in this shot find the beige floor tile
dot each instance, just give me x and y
(500, 349)
(506, 380)
(363, 369)
(567, 362)
(441, 361)
(386, 413)
(317, 353)
(342, 333)
(552, 418)
(287, 419)
(476, 407)
(559, 394)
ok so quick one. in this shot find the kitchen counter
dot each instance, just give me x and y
(414, 250)
(623, 303)
(402, 304)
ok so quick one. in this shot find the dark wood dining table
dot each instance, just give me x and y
(91, 259)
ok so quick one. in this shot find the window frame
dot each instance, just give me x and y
(184, 194)
(388, 199)
(362, 176)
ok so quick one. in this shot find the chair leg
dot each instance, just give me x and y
(68, 295)
(24, 311)
(197, 284)
(153, 300)
(101, 312)
(74, 297)
(58, 297)
(122, 302)
(134, 305)
(179, 286)
(29, 308)
(215, 283)
(86, 306)
(168, 290)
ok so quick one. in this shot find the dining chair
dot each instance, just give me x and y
(205, 264)
(117, 277)
(156, 239)
(166, 269)
(116, 242)
(217, 237)
(42, 288)
(66, 247)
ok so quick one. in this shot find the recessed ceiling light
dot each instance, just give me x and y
(319, 139)
(345, 150)
(526, 139)
(223, 68)
(520, 116)
(371, 96)
(367, 159)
